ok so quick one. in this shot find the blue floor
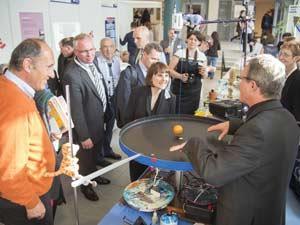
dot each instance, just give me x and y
(292, 209)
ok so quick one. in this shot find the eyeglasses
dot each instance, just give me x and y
(284, 54)
(86, 51)
(246, 78)
(240, 78)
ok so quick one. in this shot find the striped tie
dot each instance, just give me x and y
(112, 86)
(99, 86)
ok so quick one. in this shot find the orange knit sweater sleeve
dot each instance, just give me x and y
(25, 149)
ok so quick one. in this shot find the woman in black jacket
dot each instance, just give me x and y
(152, 99)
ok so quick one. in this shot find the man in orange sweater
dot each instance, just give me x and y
(26, 152)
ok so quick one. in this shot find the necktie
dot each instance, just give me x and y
(138, 56)
(112, 86)
(99, 86)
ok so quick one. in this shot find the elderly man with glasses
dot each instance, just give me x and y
(252, 172)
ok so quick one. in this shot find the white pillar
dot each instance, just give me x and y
(213, 14)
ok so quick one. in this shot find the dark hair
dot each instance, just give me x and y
(68, 41)
(287, 34)
(215, 36)
(133, 24)
(29, 48)
(154, 69)
(149, 47)
(200, 37)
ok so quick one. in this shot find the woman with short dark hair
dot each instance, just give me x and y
(152, 99)
(188, 67)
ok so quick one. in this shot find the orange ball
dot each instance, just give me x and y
(177, 130)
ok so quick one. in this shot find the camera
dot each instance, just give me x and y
(191, 78)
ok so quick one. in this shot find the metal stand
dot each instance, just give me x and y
(246, 33)
(86, 179)
(72, 153)
(178, 180)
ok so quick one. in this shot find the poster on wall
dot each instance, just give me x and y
(32, 25)
(293, 20)
(110, 28)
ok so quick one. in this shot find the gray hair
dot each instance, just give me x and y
(144, 30)
(80, 37)
(106, 39)
(29, 48)
(269, 75)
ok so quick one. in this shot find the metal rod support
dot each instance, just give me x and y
(72, 153)
(97, 173)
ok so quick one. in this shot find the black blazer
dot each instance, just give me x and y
(290, 96)
(139, 104)
(130, 78)
(253, 170)
(129, 40)
(86, 105)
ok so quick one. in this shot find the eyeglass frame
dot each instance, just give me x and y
(86, 51)
(247, 78)
(280, 53)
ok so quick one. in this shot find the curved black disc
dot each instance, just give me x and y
(153, 137)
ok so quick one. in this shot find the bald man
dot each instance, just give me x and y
(141, 37)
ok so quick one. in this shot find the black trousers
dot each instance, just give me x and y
(88, 158)
(249, 39)
(108, 131)
(14, 214)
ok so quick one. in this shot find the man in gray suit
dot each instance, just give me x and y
(172, 44)
(109, 65)
(254, 169)
(89, 103)
(133, 77)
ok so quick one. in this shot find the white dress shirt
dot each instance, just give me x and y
(111, 83)
(20, 83)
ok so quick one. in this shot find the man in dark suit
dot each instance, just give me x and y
(133, 77)
(172, 44)
(129, 40)
(254, 169)
(66, 56)
(88, 106)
